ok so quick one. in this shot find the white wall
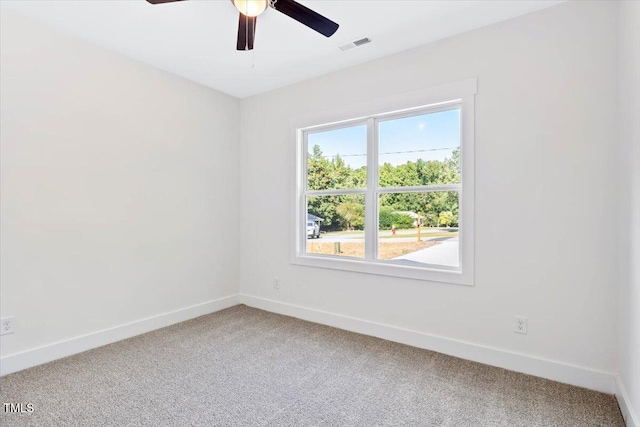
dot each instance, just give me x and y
(545, 188)
(629, 292)
(119, 188)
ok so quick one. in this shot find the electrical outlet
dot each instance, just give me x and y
(6, 325)
(276, 283)
(520, 326)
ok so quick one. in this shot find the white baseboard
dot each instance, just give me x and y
(37, 356)
(545, 368)
(630, 417)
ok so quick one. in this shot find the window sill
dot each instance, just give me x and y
(384, 269)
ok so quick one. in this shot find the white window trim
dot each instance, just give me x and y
(462, 94)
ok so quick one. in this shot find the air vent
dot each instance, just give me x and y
(362, 41)
(356, 43)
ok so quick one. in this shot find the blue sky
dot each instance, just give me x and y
(428, 137)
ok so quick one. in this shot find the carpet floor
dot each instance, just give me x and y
(247, 367)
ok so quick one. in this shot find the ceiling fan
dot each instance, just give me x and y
(250, 9)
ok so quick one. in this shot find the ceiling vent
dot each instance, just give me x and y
(356, 43)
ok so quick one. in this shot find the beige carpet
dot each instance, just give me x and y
(247, 367)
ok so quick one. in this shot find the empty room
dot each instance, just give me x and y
(319, 213)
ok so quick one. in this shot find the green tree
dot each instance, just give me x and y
(388, 218)
(351, 215)
(436, 208)
(318, 170)
(446, 218)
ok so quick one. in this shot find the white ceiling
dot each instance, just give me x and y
(196, 39)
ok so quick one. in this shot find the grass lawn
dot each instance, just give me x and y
(386, 250)
(344, 233)
(400, 234)
(424, 234)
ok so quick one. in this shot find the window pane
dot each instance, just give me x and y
(337, 159)
(419, 228)
(420, 150)
(335, 225)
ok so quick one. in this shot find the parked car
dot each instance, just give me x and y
(313, 230)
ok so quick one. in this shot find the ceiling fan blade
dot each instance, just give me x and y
(306, 16)
(246, 32)
(162, 1)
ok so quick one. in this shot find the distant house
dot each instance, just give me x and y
(311, 217)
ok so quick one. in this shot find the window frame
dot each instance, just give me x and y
(431, 100)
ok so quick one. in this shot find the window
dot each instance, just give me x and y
(389, 193)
